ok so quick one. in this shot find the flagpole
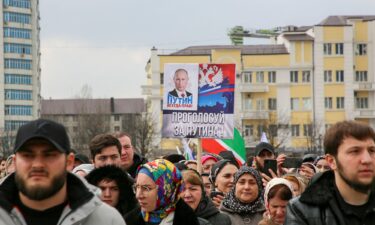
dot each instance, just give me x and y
(199, 156)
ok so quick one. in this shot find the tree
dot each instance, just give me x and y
(142, 129)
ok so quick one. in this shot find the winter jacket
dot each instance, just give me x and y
(246, 219)
(183, 215)
(207, 210)
(83, 208)
(137, 161)
(318, 205)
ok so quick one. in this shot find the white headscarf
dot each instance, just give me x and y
(271, 184)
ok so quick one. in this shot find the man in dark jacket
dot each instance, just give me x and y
(129, 159)
(345, 195)
(117, 191)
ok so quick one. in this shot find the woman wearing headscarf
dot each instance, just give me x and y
(221, 177)
(244, 203)
(195, 196)
(158, 187)
(277, 194)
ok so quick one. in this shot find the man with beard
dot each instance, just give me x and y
(344, 195)
(41, 191)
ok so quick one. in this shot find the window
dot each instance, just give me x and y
(117, 128)
(75, 118)
(306, 76)
(272, 77)
(272, 130)
(116, 118)
(361, 76)
(294, 103)
(22, 110)
(340, 103)
(17, 33)
(339, 76)
(294, 76)
(327, 48)
(260, 104)
(361, 103)
(339, 48)
(248, 103)
(249, 130)
(272, 104)
(295, 130)
(361, 49)
(327, 76)
(18, 79)
(327, 126)
(14, 94)
(328, 102)
(260, 77)
(17, 17)
(307, 130)
(306, 103)
(17, 3)
(14, 124)
(162, 78)
(75, 129)
(24, 64)
(246, 77)
(261, 129)
(17, 48)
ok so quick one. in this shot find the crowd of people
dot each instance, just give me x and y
(45, 182)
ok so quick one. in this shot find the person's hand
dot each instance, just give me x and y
(266, 178)
(306, 171)
(217, 200)
(280, 160)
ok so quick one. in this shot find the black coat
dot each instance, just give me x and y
(183, 215)
(174, 93)
(137, 161)
(318, 205)
(207, 210)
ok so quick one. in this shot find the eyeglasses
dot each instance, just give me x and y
(144, 188)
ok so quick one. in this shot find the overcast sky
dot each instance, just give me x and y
(106, 43)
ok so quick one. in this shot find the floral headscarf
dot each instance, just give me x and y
(168, 179)
(232, 202)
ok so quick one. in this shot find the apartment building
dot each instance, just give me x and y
(293, 89)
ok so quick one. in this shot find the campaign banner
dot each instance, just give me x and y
(213, 117)
(181, 86)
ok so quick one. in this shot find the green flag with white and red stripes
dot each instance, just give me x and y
(235, 145)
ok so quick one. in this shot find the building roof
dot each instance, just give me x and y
(298, 37)
(245, 49)
(92, 106)
(342, 20)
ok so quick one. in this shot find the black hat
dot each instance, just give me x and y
(81, 157)
(45, 129)
(264, 146)
(174, 158)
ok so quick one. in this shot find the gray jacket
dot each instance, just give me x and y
(84, 208)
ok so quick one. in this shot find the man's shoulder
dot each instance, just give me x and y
(105, 214)
(188, 93)
(173, 92)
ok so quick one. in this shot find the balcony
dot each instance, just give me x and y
(364, 113)
(249, 87)
(255, 114)
(364, 86)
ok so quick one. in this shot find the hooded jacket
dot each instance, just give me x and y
(207, 210)
(83, 207)
(318, 205)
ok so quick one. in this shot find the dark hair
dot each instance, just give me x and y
(102, 141)
(120, 134)
(336, 134)
(127, 200)
(281, 191)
